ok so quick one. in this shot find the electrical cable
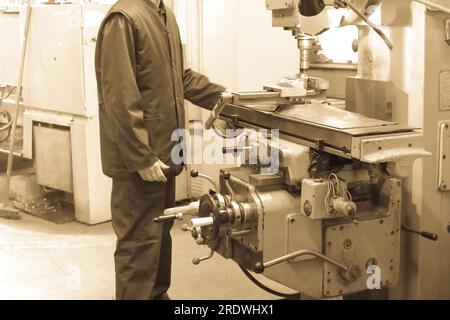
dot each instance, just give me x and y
(346, 3)
(266, 288)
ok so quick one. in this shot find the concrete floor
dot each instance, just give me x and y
(41, 260)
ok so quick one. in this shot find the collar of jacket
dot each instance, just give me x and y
(159, 4)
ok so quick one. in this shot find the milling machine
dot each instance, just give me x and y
(327, 222)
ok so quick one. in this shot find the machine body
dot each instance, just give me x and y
(327, 221)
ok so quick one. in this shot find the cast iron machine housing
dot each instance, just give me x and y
(323, 217)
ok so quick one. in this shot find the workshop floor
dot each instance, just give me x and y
(41, 260)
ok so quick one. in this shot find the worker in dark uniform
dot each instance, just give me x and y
(142, 85)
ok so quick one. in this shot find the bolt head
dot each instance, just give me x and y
(348, 244)
(307, 209)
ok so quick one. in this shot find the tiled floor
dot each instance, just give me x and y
(41, 260)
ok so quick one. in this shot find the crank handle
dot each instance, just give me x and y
(261, 267)
(225, 97)
(169, 218)
(186, 228)
(195, 174)
(197, 261)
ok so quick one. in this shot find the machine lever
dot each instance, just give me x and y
(261, 267)
(226, 180)
(197, 261)
(178, 213)
(196, 174)
(186, 228)
(235, 150)
(168, 218)
(225, 97)
(424, 234)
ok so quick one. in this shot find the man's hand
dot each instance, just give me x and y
(154, 173)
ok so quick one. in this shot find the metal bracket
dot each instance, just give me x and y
(447, 31)
(444, 157)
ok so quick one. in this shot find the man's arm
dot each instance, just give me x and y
(199, 90)
(123, 101)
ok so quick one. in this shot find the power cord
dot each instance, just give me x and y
(260, 285)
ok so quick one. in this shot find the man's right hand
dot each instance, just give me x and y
(154, 173)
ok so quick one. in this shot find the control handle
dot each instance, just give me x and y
(195, 174)
(261, 267)
(178, 213)
(424, 234)
(168, 218)
(225, 97)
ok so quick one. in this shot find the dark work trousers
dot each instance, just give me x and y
(143, 254)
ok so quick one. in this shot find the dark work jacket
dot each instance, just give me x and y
(142, 85)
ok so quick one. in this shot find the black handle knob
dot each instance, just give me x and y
(226, 175)
(429, 236)
(194, 173)
(425, 234)
(259, 268)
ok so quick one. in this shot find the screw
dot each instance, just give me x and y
(348, 244)
(307, 208)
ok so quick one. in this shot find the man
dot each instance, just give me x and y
(142, 85)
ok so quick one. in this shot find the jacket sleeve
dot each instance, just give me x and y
(199, 90)
(121, 95)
